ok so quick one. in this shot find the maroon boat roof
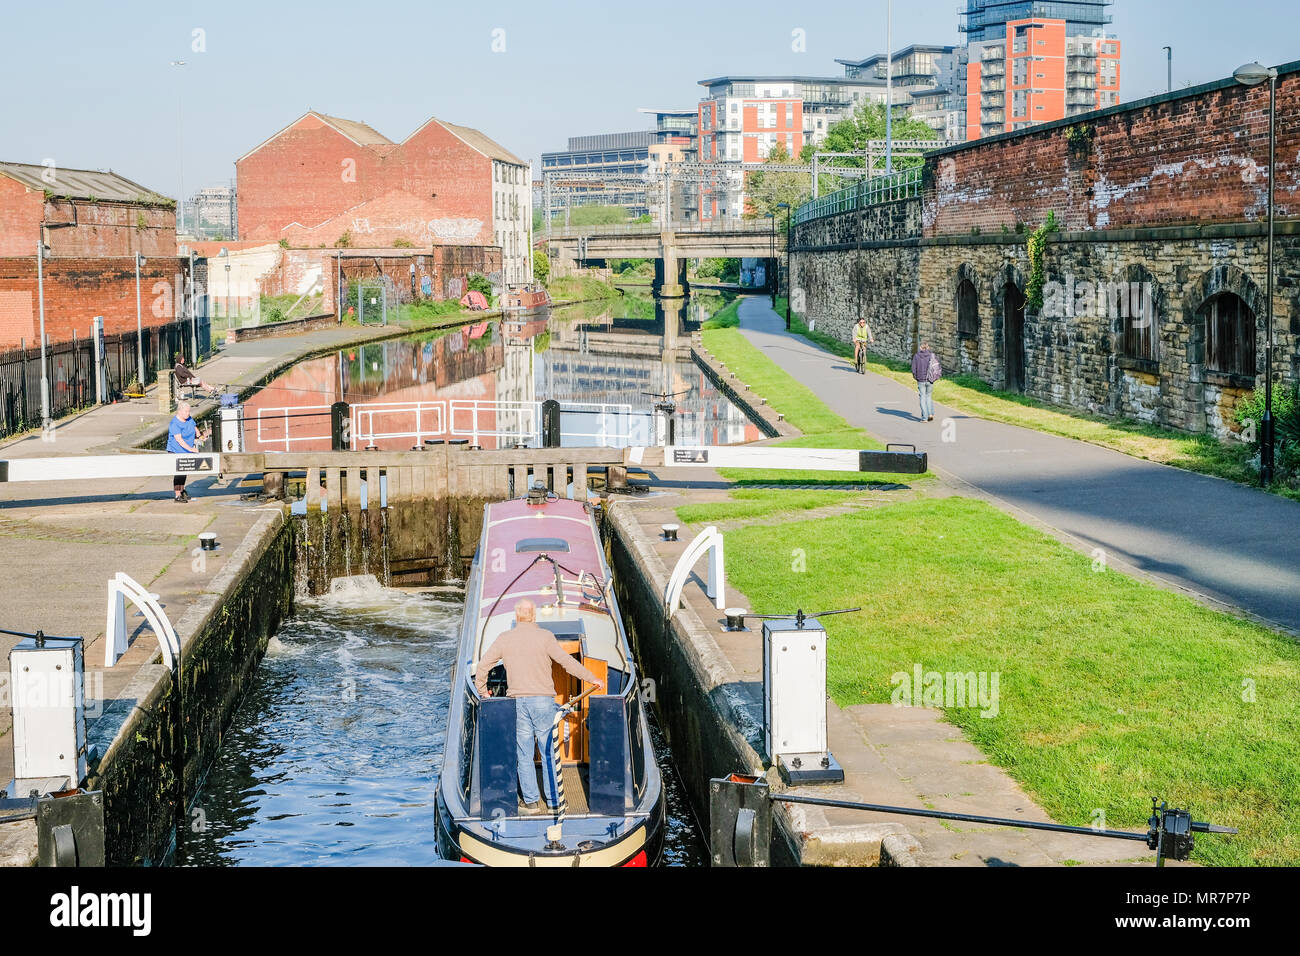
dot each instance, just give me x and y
(510, 522)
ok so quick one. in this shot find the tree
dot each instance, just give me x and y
(867, 123)
(764, 190)
(541, 266)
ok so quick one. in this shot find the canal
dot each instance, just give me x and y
(332, 757)
(608, 364)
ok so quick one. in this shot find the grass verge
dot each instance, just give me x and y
(1203, 454)
(821, 427)
(1109, 690)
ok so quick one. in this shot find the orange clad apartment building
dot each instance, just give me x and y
(1037, 73)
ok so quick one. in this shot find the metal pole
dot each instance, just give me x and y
(139, 325)
(1266, 438)
(40, 295)
(789, 278)
(889, 86)
(1169, 58)
(194, 319)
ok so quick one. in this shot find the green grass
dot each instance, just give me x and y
(1203, 454)
(763, 503)
(821, 427)
(727, 317)
(579, 289)
(1110, 690)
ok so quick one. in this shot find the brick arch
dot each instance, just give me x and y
(1223, 278)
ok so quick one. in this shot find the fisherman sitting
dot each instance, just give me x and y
(527, 651)
(187, 378)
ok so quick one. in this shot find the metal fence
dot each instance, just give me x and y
(70, 370)
(866, 192)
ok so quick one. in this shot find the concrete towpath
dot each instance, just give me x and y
(62, 541)
(1217, 540)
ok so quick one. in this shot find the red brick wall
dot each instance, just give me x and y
(77, 290)
(1200, 158)
(310, 184)
(102, 228)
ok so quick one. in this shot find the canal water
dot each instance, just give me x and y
(332, 757)
(608, 364)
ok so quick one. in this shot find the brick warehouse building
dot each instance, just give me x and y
(1154, 305)
(93, 224)
(323, 181)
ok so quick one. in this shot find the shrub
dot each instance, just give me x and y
(480, 282)
(541, 266)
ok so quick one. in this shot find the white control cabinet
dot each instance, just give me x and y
(46, 681)
(794, 701)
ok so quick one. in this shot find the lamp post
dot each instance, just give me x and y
(786, 207)
(180, 146)
(40, 295)
(771, 255)
(1169, 63)
(139, 322)
(1252, 74)
(226, 254)
(889, 87)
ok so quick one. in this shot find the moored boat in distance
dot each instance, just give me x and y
(547, 549)
(527, 298)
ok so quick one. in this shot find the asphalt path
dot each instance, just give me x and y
(1219, 540)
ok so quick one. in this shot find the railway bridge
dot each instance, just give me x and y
(669, 245)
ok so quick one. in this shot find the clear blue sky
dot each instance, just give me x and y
(88, 83)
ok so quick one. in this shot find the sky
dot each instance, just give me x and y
(89, 84)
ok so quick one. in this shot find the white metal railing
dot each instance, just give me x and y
(428, 420)
(284, 415)
(598, 423)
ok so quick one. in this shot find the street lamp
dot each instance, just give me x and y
(41, 252)
(139, 321)
(788, 216)
(180, 145)
(771, 256)
(226, 252)
(1253, 74)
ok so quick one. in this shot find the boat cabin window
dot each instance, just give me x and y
(564, 630)
(535, 545)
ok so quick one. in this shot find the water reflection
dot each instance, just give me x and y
(608, 364)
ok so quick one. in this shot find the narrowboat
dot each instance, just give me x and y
(548, 549)
(526, 298)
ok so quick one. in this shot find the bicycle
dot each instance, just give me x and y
(860, 359)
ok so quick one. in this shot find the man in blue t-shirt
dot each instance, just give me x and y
(183, 438)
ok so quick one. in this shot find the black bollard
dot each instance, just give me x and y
(550, 423)
(340, 426)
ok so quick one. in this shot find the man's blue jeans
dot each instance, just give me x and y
(534, 717)
(926, 390)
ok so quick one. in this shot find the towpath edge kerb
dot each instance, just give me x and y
(714, 720)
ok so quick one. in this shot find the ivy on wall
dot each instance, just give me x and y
(1036, 245)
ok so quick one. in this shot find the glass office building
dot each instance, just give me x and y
(987, 19)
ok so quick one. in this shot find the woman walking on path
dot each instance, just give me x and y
(926, 370)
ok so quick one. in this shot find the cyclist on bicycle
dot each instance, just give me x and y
(861, 337)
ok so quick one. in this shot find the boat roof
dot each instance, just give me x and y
(517, 532)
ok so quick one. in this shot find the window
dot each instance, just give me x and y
(1229, 335)
(534, 545)
(1141, 330)
(968, 311)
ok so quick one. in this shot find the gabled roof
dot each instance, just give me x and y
(479, 141)
(82, 184)
(367, 136)
(358, 132)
